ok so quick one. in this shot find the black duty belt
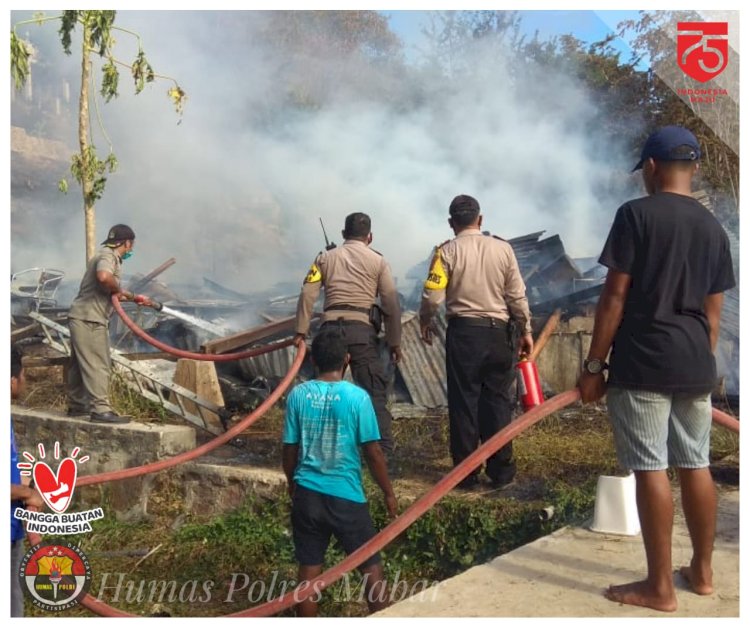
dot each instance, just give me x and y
(475, 321)
(349, 308)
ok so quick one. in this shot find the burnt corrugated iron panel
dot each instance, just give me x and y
(525, 241)
(423, 366)
(273, 364)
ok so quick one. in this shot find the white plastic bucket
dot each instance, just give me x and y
(615, 510)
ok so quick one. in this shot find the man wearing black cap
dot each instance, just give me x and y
(88, 319)
(669, 263)
(355, 276)
(477, 276)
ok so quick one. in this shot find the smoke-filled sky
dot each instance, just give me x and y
(234, 192)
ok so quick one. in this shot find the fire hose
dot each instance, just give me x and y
(224, 357)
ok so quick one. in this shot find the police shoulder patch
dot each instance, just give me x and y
(313, 275)
(437, 278)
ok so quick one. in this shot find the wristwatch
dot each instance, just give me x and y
(595, 366)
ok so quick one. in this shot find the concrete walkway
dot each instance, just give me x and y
(565, 574)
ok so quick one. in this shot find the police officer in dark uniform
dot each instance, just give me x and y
(478, 277)
(354, 275)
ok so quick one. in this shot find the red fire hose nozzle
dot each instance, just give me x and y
(141, 299)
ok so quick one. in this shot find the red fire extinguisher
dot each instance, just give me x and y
(529, 386)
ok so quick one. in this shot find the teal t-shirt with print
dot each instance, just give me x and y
(329, 421)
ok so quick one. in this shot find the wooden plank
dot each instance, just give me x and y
(200, 377)
(249, 336)
(141, 283)
(546, 332)
(25, 332)
(150, 355)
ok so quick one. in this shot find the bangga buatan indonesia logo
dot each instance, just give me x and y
(55, 574)
(56, 488)
(702, 49)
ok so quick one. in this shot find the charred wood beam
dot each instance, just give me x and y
(249, 336)
(140, 284)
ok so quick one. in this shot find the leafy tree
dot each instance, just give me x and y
(314, 58)
(97, 27)
(453, 35)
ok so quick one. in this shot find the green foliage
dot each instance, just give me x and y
(68, 21)
(258, 533)
(573, 504)
(19, 60)
(142, 72)
(100, 26)
(128, 401)
(62, 185)
(110, 80)
(456, 534)
(88, 167)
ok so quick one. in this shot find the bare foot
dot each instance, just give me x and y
(642, 594)
(702, 584)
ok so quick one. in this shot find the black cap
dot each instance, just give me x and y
(118, 234)
(464, 205)
(670, 143)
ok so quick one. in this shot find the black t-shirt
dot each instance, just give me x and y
(676, 253)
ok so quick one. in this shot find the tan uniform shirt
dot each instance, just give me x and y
(354, 275)
(94, 302)
(477, 276)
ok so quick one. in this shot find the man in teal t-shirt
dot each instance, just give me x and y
(327, 421)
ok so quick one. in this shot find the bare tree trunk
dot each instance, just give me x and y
(83, 129)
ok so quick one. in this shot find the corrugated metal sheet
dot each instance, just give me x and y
(422, 369)
(272, 364)
(423, 366)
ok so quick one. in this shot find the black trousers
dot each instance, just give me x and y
(368, 372)
(480, 365)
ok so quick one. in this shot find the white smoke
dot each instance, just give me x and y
(235, 195)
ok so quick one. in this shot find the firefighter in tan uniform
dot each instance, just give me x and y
(477, 276)
(353, 276)
(88, 319)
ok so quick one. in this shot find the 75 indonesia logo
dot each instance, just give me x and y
(702, 49)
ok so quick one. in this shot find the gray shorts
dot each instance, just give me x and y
(656, 430)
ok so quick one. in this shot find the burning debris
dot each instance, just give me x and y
(216, 319)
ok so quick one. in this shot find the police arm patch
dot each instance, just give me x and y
(313, 275)
(437, 279)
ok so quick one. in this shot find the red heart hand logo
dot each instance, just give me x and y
(56, 490)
